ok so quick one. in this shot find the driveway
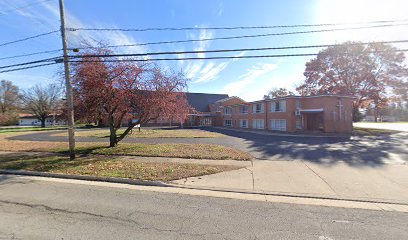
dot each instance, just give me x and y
(397, 126)
(354, 150)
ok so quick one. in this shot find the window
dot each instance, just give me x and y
(298, 104)
(258, 123)
(243, 123)
(278, 124)
(258, 108)
(227, 110)
(278, 106)
(228, 123)
(298, 122)
(244, 109)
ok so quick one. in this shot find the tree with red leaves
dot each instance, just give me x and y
(117, 90)
(368, 72)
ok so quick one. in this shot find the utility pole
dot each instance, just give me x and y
(70, 104)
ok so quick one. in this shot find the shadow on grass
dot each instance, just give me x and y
(41, 162)
(82, 150)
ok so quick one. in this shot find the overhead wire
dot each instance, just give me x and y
(211, 58)
(230, 28)
(229, 50)
(28, 38)
(249, 36)
(29, 67)
(31, 54)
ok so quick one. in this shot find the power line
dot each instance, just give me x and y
(173, 59)
(250, 36)
(28, 38)
(25, 6)
(230, 28)
(194, 52)
(32, 62)
(213, 58)
(29, 67)
(30, 54)
(229, 50)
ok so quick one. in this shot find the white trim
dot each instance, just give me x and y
(315, 96)
(279, 124)
(241, 121)
(282, 106)
(225, 123)
(312, 110)
(258, 123)
(262, 110)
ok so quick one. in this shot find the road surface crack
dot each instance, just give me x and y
(324, 180)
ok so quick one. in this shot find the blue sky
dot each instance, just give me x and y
(246, 78)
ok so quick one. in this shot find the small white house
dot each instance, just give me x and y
(29, 120)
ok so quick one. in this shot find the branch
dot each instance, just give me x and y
(126, 132)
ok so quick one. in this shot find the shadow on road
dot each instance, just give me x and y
(360, 150)
(355, 150)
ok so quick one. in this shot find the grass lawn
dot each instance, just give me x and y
(193, 151)
(150, 133)
(29, 129)
(372, 131)
(199, 151)
(108, 167)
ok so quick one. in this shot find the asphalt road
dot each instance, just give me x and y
(356, 150)
(32, 209)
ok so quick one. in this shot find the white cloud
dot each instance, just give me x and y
(49, 17)
(238, 87)
(220, 8)
(211, 71)
(243, 53)
(201, 71)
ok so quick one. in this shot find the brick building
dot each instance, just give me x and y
(321, 113)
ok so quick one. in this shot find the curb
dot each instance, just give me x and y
(278, 194)
(86, 178)
(162, 184)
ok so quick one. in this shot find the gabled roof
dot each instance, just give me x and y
(229, 98)
(200, 101)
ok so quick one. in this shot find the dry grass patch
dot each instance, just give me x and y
(109, 167)
(35, 146)
(194, 151)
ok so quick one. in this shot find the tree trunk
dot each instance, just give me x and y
(356, 113)
(43, 122)
(113, 141)
(126, 132)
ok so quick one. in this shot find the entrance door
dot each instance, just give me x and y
(314, 121)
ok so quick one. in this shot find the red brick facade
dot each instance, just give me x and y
(324, 113)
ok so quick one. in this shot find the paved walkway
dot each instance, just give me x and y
(388, 183)
(381, 183)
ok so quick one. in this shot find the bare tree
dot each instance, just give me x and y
(42, 101)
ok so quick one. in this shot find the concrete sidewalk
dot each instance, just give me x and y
(382, 183)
